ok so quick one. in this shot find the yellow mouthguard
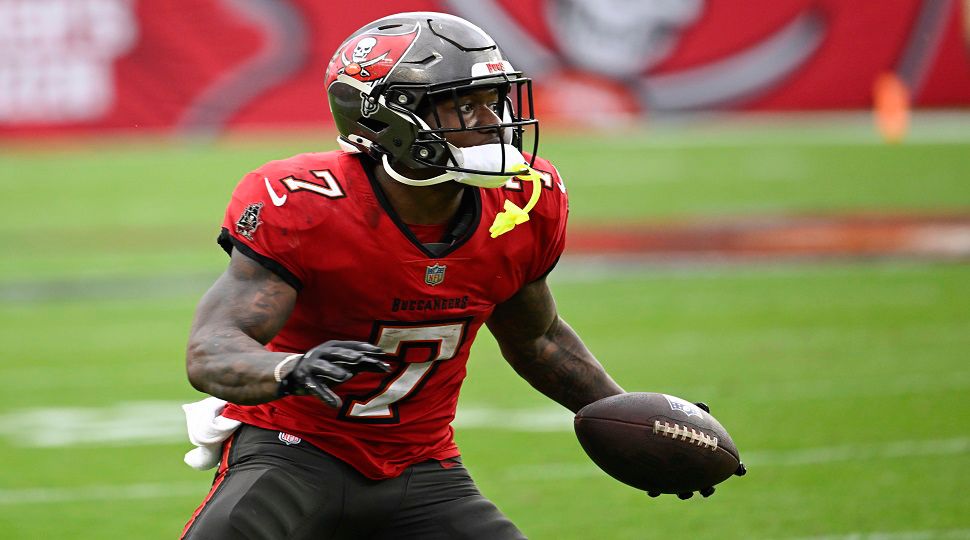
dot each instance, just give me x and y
(506, 220)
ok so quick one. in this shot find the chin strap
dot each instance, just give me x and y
(506, 220)
(486, 157)
(447, 176)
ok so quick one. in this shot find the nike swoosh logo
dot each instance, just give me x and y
(277, 200)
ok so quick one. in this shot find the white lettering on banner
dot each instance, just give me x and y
(57, 56)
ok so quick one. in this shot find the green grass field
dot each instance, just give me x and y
(844, 383)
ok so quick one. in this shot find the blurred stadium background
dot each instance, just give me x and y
(770, 213)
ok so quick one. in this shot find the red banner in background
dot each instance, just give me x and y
(78, 66)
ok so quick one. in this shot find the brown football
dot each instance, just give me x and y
(658, 443)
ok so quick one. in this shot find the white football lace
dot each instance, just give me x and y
(689, 435)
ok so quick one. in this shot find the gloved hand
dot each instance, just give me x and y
(328, 364)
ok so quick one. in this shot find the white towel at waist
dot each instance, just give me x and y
(207, 430)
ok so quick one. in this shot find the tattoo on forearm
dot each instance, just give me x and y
(561, 367)
(241, 313)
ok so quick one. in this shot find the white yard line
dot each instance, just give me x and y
(121, 424)
(162, 422)
(100, 493)
(546, 419)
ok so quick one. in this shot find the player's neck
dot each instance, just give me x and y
(424, 205)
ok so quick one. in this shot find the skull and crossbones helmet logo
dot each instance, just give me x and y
(363, 48)
(358, 62)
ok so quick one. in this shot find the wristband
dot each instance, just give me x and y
(279, 367)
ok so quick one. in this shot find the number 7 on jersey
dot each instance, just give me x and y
(442, 341)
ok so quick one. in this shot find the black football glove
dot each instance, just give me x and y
(708, 491)
(330, 363)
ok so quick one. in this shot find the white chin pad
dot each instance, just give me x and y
(487, 157)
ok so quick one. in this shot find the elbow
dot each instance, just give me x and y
(195, 366)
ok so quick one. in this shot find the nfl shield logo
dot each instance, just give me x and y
(434, 274)
(686, 407)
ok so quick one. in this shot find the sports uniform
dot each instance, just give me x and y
(322, 223)
(368, 319)
(362, 275)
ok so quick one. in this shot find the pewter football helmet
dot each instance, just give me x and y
(385, 83)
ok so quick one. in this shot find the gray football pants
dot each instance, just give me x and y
(274, 491)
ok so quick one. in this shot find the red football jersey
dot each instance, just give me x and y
(322, 223)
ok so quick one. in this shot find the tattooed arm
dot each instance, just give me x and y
(545, 351)
(243, 310)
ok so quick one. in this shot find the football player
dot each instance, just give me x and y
(357, 282)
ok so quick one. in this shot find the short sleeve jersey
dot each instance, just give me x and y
(321, 222)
